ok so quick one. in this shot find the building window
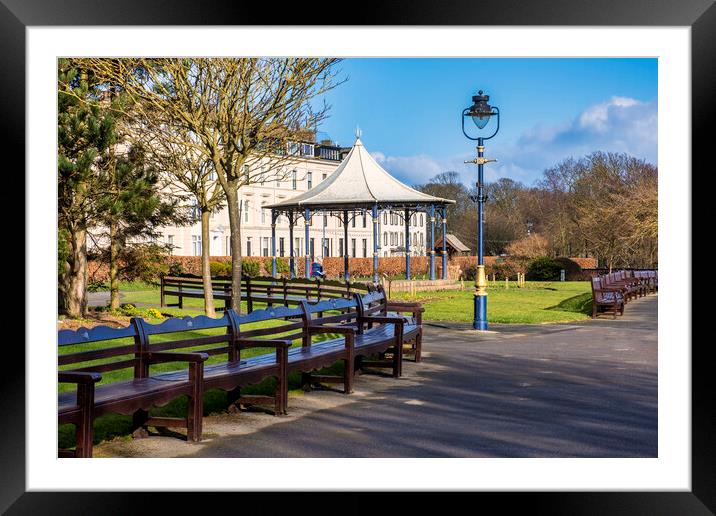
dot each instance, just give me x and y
(422, 239)
(385, 218)
(340, 247)
(421, 220)
(306, 149)
(294, 180)
(402, 240)
(263, 214)
(353, 247)
(281, 247)
(309, 180)
(312, 248)
(365, 248)
(297, 247)
(365, 220)
(170, 243)
(324, 177)
(196, 245)
(265, 250)
(246, 210)
(385, 238)
(248, 246)
(325, 220)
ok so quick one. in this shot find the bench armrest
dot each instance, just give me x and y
(158, 357)
(413, 308)
(265, 343)
(78, 377)
(384, 319)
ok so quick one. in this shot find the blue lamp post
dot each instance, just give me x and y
(480, 112)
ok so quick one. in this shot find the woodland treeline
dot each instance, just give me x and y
(603, 205)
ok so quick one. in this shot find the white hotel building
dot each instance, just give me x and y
(315, 162)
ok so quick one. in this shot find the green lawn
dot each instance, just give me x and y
(536, 302)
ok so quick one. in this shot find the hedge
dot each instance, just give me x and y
(333, 266)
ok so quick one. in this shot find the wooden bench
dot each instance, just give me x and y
(376, 303)
(93, 399)
(631, 288)
(604, 297)
(348, 315)
(355, 327)
(193, 287)
(232, 372)
(266, 290)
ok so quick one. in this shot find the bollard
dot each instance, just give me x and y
(507, 283)
(562, 274)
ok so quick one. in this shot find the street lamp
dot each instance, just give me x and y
(480, 112)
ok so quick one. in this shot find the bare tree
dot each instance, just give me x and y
(191, 176)
(244, 112)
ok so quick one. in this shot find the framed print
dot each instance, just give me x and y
(671, 473)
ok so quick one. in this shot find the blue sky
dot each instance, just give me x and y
(551, 109)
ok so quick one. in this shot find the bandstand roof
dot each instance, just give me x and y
(359, 182)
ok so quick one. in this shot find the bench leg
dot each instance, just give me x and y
(281, 396)
(306, 381)
(139, 424)
(348, 372)
(418, 346)
(195, 408)
(358, 367)
(84, 430)
(233, 395)
(180, 304)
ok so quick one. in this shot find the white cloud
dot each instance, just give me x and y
(620, 124)
(410, 169)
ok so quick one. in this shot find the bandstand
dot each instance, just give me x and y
(359, 186)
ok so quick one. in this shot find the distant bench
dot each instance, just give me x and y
(365, 325)
(610, 292)
(268, 290)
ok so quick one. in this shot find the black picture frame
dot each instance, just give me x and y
(700, 15)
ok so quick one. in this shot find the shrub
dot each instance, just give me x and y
(282, 268)
(543, 269)
(175, 269)
(250, 269)
(129, 310)
(154, 313)
(142, 261)
(220, 268)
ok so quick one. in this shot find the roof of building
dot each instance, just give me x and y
(359, 181)
(454, 242)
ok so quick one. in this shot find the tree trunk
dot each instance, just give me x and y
(73, 287)
(205, 268)
(113, 267)
(232, 201)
